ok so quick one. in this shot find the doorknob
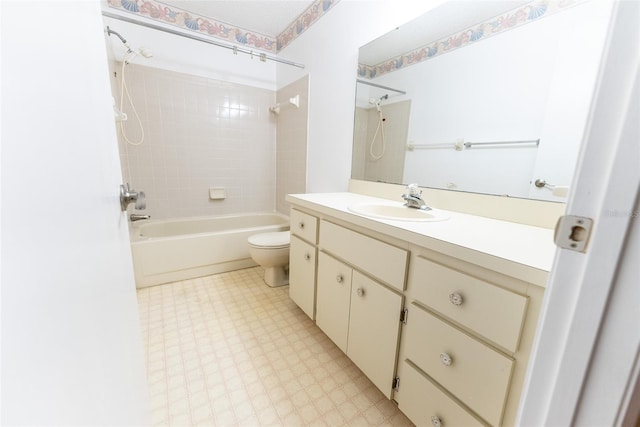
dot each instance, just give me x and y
(128, 196)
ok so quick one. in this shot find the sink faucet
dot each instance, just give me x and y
(413, 199)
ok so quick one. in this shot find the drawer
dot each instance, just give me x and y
(304, 225)
(493, 312)
(476, 374)
(426, 404)
(381, 260)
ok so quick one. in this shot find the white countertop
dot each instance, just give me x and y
(524, 251)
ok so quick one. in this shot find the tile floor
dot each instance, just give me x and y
(228, 350)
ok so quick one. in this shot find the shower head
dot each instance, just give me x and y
(130, 53)
(376, 102)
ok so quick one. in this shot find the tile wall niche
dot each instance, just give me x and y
(291, 156)
(198, 133)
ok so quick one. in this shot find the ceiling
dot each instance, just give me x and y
(268, 17)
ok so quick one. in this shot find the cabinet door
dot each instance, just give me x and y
(302, 274)
(374, 328)
(334, 294)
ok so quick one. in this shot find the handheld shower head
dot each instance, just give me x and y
(145, 51)
(375, 102)
(130, 54)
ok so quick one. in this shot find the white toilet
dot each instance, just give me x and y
(271, 251)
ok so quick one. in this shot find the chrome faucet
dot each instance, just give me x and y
(127, 196)
(413, 199)
(137, 217)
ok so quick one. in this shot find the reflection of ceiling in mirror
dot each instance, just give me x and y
(440, 22)
(453, 25)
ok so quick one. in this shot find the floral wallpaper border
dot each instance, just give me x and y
(317, 9)
(507, 21)
(166, 14)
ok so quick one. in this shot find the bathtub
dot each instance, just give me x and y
(169, 250)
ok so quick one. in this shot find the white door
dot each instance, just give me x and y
(71, 342)
(586, 358)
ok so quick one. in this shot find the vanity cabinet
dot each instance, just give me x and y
(302, 260)
(361, 316)
(443, 329)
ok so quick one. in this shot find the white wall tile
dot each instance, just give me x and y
(199, 133)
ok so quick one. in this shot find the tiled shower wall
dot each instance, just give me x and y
(291, 156)
(198, 133)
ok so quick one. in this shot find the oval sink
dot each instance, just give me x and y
(397, 212)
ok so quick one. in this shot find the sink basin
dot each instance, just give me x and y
(397, 212)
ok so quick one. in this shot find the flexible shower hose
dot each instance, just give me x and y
(124, 91)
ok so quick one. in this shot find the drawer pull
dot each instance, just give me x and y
(436, 421)
(307, 257)
(360, 292)
(339, 278)
(301, 225)
(455, 298)
(446, 359)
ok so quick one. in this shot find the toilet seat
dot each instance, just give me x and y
(273, 240)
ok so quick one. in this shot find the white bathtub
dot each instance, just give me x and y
(169, 250)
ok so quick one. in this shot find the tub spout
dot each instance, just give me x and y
(137, 217)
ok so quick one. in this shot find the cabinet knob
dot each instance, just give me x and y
(360, 292)
(455, 298)
(339, 278)
(301, 225)
(436, 421)
(307, 257)
(446, 359)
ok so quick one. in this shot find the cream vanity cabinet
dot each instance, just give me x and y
(302, 260)
(361, 312)
(444, 330)
(465, 344)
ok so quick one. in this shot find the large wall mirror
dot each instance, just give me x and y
(480, 96)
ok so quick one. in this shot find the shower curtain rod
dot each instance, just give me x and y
(262, 56)
(364, 82)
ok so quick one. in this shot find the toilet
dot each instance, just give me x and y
(271, 251)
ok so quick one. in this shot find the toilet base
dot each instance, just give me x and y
(276, 276)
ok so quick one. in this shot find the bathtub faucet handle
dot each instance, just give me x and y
(127, 196)
(138, 217)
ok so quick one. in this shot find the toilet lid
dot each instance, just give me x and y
(277, 239)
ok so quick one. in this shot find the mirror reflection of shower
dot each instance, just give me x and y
(380, 132)
(379, 128)
(127, 58)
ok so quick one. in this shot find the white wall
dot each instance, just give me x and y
(329, 50)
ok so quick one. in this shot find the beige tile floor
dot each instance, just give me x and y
(228, 350)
